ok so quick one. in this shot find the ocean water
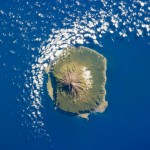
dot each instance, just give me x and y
(32, 31)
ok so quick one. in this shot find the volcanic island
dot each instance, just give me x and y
(76, 81)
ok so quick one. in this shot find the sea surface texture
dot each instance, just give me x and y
(32, 34)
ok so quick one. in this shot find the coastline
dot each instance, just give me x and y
(50, 89)
(87, 76)
(104, 104)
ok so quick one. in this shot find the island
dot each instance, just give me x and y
(76, 81)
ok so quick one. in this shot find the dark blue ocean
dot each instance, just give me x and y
(125, 125)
